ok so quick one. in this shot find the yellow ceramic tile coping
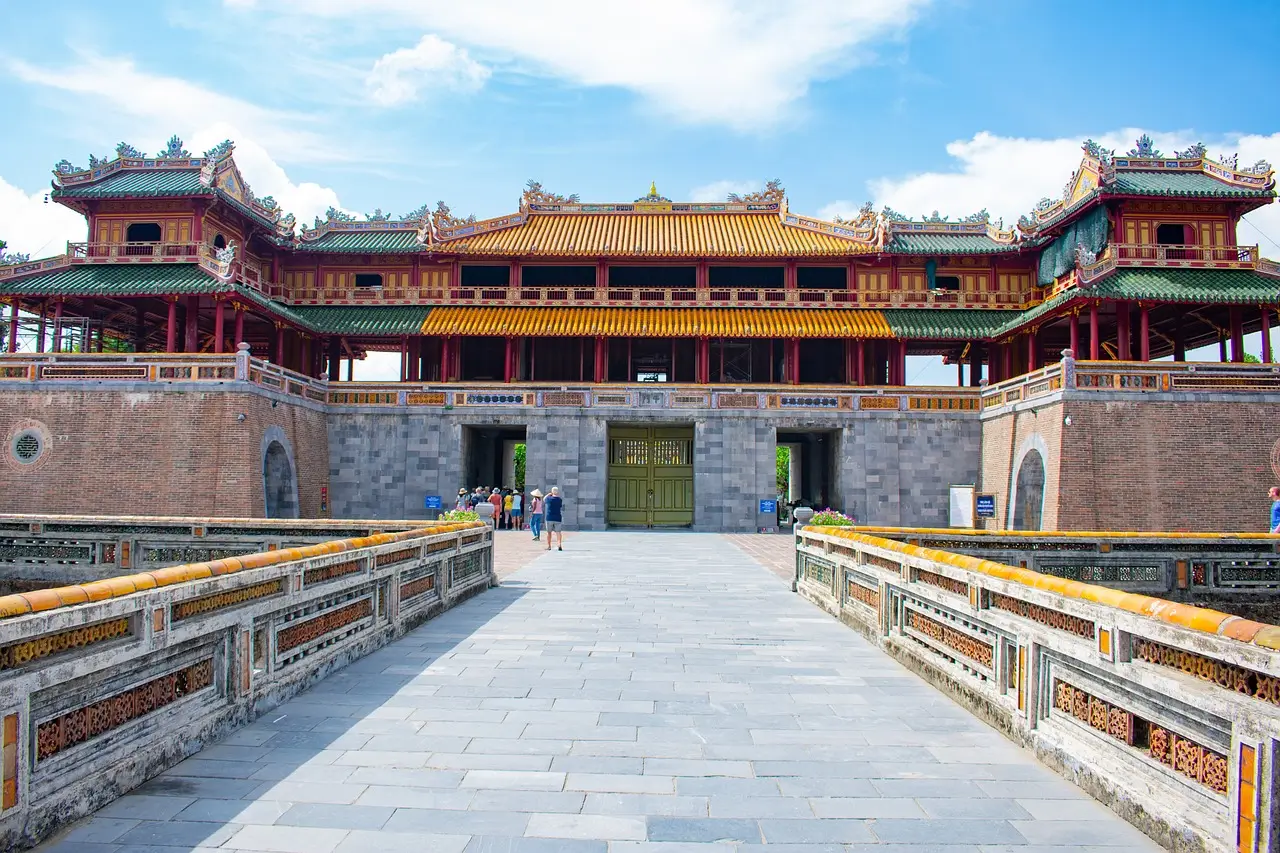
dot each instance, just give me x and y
(1062, 534)
(40, 600)
(660, 322)
(1182, 615)
(694, 235)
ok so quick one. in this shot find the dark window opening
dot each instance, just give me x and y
(368, 279)
(812, 469)
(731, 360)
(770, 278)
(946, 282)
(143, 232)
(822, 361)
(1173, 235)
(219, 242)
(619, 349)
(562, 359)
(822, 278)
(551, 276)
(670, 278)
(483, 359)
(486, 276)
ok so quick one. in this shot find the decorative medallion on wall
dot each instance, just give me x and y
(1275, 458)
(29, 445)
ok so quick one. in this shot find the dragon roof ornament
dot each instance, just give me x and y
(773, 192)
(534, 194)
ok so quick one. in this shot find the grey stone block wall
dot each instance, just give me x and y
(889, 467)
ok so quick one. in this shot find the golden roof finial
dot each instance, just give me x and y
(653, 188)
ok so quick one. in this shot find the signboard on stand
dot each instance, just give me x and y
(962, 506)
(434, 502)
(984, 506)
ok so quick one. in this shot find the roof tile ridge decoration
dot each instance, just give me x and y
(1099, 165)
(218, 176)
(339, 220)
(974, 225)
(443, 226)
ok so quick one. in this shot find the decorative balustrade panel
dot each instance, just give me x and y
(101, 681)
(1146, 700)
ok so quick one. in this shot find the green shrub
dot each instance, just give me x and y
(459, 515)
(831, 518)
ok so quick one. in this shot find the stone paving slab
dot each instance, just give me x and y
(637, 693)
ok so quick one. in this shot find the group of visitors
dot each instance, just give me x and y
(509, 510)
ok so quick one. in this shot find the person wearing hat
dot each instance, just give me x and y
(535, 514)
(464, 501)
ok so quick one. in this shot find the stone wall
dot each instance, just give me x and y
(155, 450)
(1007, 438)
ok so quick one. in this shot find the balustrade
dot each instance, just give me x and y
(121, 678)
(1158, 709)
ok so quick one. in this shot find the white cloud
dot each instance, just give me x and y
(31, 226)
(397, 77)
(1008, 175)
(719, 190)
(735, 62)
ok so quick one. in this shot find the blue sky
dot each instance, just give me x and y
(920, 104)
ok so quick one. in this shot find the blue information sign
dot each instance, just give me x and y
(768, 506)
(433, 502)
(985, 506)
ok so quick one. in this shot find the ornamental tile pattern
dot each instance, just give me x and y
(659, 322)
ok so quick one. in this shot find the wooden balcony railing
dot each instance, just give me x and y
(1227, 257)
(188, 252)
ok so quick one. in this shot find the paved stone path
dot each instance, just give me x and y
(638, 692)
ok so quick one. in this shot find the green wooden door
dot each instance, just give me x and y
(650, 476)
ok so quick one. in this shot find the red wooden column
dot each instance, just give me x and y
(601, 364)
(279, 345)
(335, 358)
(57, 326)
(1074, 321)
(860, 354)
(171, 330)
(1266, 336)
(1123, 351)
(509, 349)
(793, 360)
(1032, 351)
(239, 328)
(444, 358)
(850, 361)
(702, 361)
(975, 365)
(44, 322)
(13, 325)
(1006, 370)
(404, 360)
(191, 336)
(219, 326)
(1144, 333)
(1095, 343)
(1237, 334)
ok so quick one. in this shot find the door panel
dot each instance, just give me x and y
(650, 477)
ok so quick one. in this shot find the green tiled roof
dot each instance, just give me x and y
(1187, 184)
(947, 244)
(140, 182)
(364, 319)
(1239, 287)
(945, 323)
(116, 279)
(365, 242)
(278, 308)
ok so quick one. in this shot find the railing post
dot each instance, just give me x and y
(242, 362)
(1068, 369)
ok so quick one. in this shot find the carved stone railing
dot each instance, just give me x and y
(51, 550)
(1166, 712)
(1074, 376)
(107, 683)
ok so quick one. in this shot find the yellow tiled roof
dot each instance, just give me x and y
(702, 235)
(660, 322)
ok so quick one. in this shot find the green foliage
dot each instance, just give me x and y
(459, 515)
(784, 470)
(520, 458)
(1250, 358)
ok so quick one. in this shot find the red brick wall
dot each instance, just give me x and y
(1003, 438)
(1168, 466)
(155, 453)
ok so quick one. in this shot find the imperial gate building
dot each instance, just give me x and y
(197, 352)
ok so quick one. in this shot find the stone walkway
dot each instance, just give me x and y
(638, 692)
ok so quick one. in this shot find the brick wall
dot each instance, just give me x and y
(1169, 465)
(151, 452)
(1004, 438)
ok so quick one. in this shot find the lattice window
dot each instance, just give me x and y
(672, 451)
(628, 451)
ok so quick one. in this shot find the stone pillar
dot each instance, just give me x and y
(1237, 334)
(57, 326)
(1123, 352)
(1266, 336)
(219, 327)
(1095, 342)
(191, 334)
(1144, 333)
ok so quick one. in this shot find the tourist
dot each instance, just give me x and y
(495, 498)
(554, 510)
(463, 502)
(535, 514)
(1275, 508)
(507, 504)
(517, 510)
